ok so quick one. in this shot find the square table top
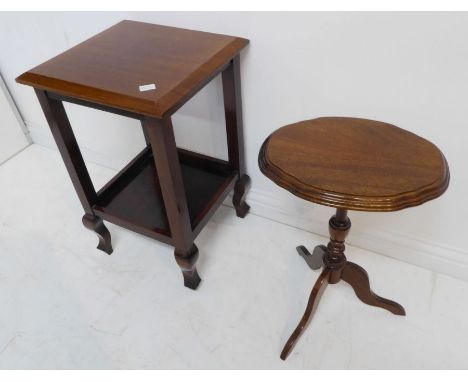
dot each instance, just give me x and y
(110, 67)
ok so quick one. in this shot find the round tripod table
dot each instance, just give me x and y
(350, 164)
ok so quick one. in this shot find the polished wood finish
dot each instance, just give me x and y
(234, 129)
(165, 192)
(133, 197)
(357, 277)
(95, 223)
(108, 68)
(62, 132)
(162, 140)
(350, 164)
(69, 150)
(336, 268)
(240, 192)
(94, 105)
(354, 163)
(314, 298)
(186, 261)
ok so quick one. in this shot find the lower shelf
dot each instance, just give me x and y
(133, 197)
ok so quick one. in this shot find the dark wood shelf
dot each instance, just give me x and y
(133, 198)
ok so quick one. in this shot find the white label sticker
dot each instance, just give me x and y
(144, 88)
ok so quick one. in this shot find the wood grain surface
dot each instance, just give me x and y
(353, 163)
(109, 68)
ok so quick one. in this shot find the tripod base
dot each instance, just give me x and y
(336, 268)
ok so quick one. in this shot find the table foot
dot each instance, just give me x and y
(95, 223)
(335, 268)
(186, 261)
(315, 259)
(357, 277)
(314, 299)
(240, 190)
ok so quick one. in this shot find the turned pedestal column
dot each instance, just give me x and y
(350, 164)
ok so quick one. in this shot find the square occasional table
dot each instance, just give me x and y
(147, 72)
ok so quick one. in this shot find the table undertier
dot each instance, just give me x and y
(133, 198)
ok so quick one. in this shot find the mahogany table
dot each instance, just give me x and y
(148, 72)
(350, 164)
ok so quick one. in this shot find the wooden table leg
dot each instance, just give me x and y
(145, 133)
(357, 277)
(69, 150)
(314, 299)
(234, 132)
(96, 224)
(337, 268)
(160, 133)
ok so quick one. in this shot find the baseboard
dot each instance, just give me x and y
(402, 246)
(398, 245)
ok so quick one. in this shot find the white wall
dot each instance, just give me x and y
(409, 69)
(12, 129)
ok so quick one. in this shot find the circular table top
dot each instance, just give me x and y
(353, 163)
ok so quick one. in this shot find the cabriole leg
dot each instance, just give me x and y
(240, 191)
(161, 137)
(234, 132)
(95, 223)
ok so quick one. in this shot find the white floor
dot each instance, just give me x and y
(65, 304)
